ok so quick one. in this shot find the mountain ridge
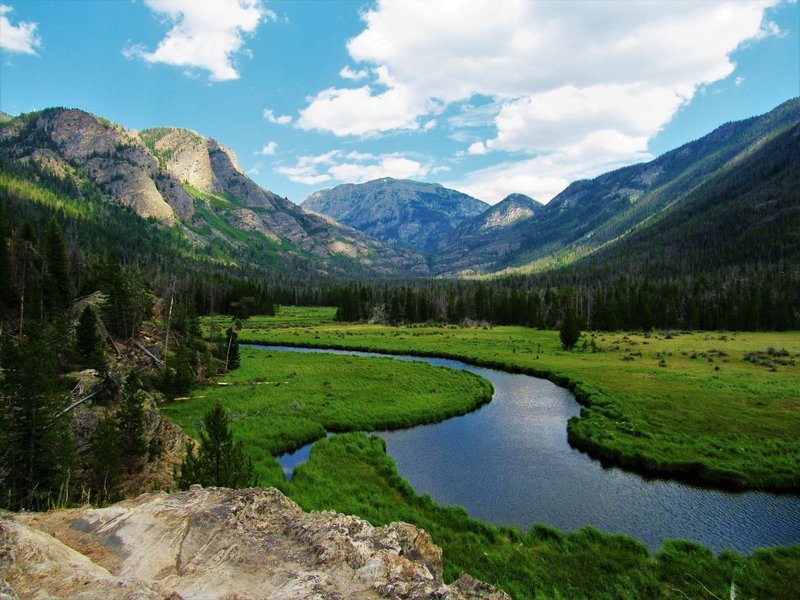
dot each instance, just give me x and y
(151, 173)
(591, 213)
(400, 212)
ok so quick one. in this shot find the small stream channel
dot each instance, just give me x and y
(509, 463)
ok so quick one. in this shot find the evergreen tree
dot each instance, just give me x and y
(105, 469)
(88, 341)
(37, 450)
(130, 423)
(5, 264)
(60, 287)
(569, 332)
(219, 461)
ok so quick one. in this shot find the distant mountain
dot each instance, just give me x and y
(181, 179)
(591, 214)
(398, 212)
(480, 241)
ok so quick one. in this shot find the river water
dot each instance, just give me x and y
(509, 463)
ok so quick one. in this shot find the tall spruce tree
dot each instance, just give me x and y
(37, 450)
(5, 264)
(130, 423)
(88, 341)
(60, 290)
(569, 332)
(219, 461)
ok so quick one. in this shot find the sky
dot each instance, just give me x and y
(489, 97)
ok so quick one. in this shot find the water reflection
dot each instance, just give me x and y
(509, 463)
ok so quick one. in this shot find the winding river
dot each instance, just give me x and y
(509, 463)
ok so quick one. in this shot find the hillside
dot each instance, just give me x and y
(399, 212)
(747, 214)
(195, 186)
(479, 241)
(590, 214)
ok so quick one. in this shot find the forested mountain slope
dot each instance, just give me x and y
(590, 214)
(194, 186)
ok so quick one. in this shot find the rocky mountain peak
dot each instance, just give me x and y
(397, 211)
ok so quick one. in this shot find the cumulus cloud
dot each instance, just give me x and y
(21, 38)
(270, 116)
(268, 149)
(573, 81)
(353, 167)
(334, 109)
(204, 35)
(351, 74)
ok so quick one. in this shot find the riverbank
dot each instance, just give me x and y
(281, 401)
(711, 408)
(352, 474)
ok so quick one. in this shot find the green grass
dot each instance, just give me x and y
(682, 405)
(279, 401)
(352, 474)
(285, 316)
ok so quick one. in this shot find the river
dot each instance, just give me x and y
(509, 463)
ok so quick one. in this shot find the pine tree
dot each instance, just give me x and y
(60, 286)
(88, 341)
(570, 332)
(219, 461)
(130, 423)
(37, 450)
(5, 264)
(105, 469)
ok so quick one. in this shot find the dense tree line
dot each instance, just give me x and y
(744, 298)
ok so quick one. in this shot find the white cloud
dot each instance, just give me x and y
(268, 149)
(395, 166)
(21, 37)
(334, 109)
(277, 120)
(354, 167)
(577, 82)
(348, 73)
(477, 148)
(204, 35)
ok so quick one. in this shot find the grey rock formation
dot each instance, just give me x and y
(398, 212)
(148, 172)
(220, 543)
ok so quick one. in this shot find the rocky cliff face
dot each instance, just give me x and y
(397, 212)
(148, 172)
(70, 141)
(219, 543)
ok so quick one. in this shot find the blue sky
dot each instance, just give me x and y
(489, 97)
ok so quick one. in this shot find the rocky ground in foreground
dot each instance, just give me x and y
(218, 543)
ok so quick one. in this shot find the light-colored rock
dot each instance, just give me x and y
(220, 543)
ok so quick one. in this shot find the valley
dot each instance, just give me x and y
(134, 263)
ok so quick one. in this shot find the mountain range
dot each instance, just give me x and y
(181, 180)
(397, 212)
(734, 191)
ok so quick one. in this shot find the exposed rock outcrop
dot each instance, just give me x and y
(399, 212)
(220, 543)
(147, 171)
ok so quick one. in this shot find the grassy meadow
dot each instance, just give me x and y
(280, 401)
(716, 408)
(644, 396)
